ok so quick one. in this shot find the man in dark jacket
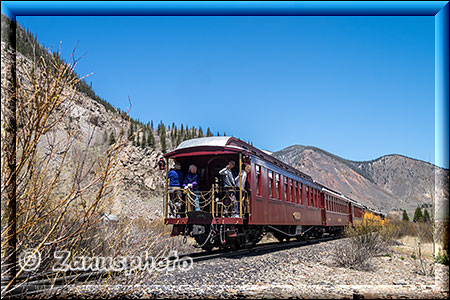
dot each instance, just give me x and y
(175, 177)
(229, 182)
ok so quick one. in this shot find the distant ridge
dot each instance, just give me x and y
(390, 182)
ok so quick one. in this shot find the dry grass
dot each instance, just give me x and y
(409, 247)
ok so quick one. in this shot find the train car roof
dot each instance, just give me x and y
(217, 141)
(227, 144)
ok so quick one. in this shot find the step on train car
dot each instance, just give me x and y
(274, 197)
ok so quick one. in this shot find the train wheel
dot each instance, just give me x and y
(207, 248)
(278, 236)
(300, 238)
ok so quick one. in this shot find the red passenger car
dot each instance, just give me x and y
(277, 198)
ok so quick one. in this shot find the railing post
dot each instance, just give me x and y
(166, 189)
(188, 200)
(240, 185)
(213, 202)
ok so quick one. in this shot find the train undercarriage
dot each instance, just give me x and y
(235, 236)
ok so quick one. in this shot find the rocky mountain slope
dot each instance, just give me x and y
(139, 187)
(389, 183)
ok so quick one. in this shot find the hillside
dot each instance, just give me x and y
(96, 122)
(391, 182)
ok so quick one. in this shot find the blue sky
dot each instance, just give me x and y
(358, 87)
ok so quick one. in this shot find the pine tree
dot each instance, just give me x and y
(405, 216)
(174, 136)
(143, 142)
(138, 140)
(200, 132)
(426, 216)
(208, 132)
(112, 139)
(418, 215)
(151, 139)
(131, 132)
(163, 141)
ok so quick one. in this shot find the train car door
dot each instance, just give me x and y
(350, 213)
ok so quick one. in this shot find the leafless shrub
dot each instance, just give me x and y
(424, 233)
(63, 185)
(364, 241)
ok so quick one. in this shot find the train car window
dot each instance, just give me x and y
(258, 180)
(277, 186)
(318, 198)
(271, 191)
(302, 192)
(308, 196)
(293, 184)
(297, 194)
(286, 189)
(313, 198)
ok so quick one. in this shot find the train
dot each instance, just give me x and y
(275, 198)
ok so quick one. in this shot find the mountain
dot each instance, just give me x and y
(389, 183)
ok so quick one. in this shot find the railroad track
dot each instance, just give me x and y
(28, 286)
(258, 249)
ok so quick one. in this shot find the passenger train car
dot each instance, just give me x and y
(278, 198)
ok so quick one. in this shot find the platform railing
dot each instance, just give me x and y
(220, 202)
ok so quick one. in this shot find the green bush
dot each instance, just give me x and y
(441, 258)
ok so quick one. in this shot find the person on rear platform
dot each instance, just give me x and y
(229, 182)
(191, 182)
(243, 183)
(175, 177)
